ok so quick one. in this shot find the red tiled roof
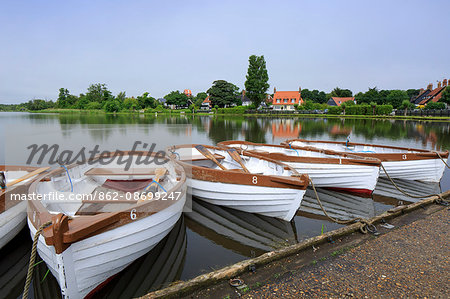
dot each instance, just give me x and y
(339, 100)
(207, 100)
(289, 96)
(435, 95)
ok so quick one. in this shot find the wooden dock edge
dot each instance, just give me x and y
(183, 288)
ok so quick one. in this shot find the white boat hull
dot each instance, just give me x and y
(426, 170)
(87, 263)
(355, 178)
(280, 203)
(11, 222)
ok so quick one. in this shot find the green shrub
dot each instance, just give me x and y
(383, 109)
(433, 105)
(93, 106)
(112, 106)
(335, 110)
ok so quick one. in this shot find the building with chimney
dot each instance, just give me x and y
(429, 94)
(286, 100)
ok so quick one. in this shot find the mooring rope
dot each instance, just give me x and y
(32, 259)
(442, 159)
(367, 226)
(441, 199)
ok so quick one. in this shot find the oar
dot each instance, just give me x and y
(27, 176)
(204, 151)
(159, 173)
(236, 157)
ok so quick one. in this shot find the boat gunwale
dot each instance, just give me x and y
(349, 159)
(230, 176)
(417, 154)
(4, 192)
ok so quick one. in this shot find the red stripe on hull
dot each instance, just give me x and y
(361, 192)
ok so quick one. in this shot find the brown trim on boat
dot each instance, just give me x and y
(348, 159)
(418, 154)
(67, 230)
(5, 194)
(238, 177)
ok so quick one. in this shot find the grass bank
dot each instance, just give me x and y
(175, 112)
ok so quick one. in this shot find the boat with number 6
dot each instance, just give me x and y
(243, 182)
(399, 162)
(14, 182)
(103, 217)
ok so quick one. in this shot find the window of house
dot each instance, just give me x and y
(278, 100)
(292, 100)
(286, 100)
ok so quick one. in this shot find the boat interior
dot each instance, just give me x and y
(255, 165)
(268, 149)
(92, 188)
(351, 147)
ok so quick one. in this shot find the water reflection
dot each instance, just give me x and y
(158, 268)
(245, 233)
(14, 265)
(217, 236)
(338, 205)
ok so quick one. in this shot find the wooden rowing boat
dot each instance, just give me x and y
(329, 170)
(399, 162)
(270, 187)
(107, 226)
(12, 209)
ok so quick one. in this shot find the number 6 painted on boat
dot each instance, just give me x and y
(255, 180)
(133, 214)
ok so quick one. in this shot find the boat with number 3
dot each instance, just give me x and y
(399, 162)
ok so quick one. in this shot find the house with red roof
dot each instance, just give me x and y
(188, 92)
(338, 101)
(285, 100)
(431, 95)
(206, 104)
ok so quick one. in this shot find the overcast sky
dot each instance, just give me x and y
(159, 46)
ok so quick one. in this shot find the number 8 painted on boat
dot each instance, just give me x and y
(255, 180)
(404, 157)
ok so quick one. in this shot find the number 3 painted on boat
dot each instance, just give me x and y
(255, 180)
(133, 214)
(404, 157)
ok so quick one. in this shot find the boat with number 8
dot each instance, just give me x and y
(243, 182)
(399, 162)
(96, 227)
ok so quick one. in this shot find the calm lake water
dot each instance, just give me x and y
(209, 237)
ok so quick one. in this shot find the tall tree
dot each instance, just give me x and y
(223, 93)
(98, 93)
(201, 96)
(341, 93)
(177, 98)
(446, 95)
(146, 101)
(256, 84)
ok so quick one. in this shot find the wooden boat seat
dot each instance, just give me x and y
(100, 171)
